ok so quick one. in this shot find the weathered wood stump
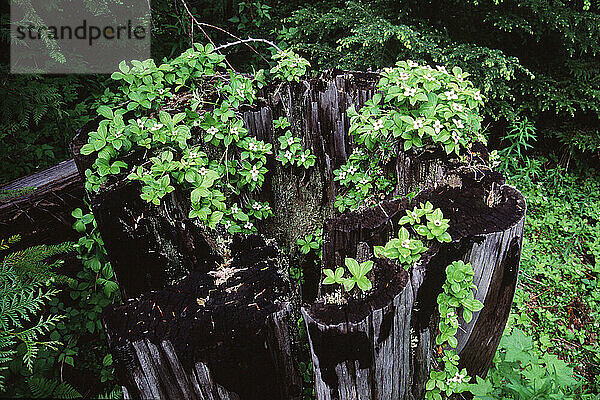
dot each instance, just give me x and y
(219, 340)
(381, 347)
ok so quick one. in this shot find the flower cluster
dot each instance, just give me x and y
(290, 148)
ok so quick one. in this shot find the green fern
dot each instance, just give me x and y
(24, 280)
(42, 388)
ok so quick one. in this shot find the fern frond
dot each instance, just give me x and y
(42, 388)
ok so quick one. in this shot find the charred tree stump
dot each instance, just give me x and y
(183, 333)
(382, 346)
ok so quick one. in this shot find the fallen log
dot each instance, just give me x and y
(359, 350)
(39, 206)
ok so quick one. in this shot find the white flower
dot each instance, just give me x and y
(288, 155)
(456, 139)
(458, 378)
(410, 92)
(202, 171)
(406, 243)
(140, 123)
(377, 125)
(267, 207)
(429, 77)
(193, 154)
(156, 126)
(290, 141)
(240, 92)
(302, 157)
(256, 206)
(352, 170)
(477, 96)
(254, 172)
(412, 64)
(437, 126)
(450, 314)
(403, 76)
(212, 130)
(450, 95)
(342, 175)
(387, 70)
(457, 107)
(364, 181)
(234, 130)
(197, 122)
(161, 91)
(118, 134)
(227, 224)
(418, 123)
(458, 123)
(441, 69)
(248, 225)
(252, 146)
(235, 209)
(437, 222)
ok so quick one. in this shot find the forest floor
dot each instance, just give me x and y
(556, 312)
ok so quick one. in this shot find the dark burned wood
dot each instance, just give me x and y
(205, 337)
(181, 336)
(44, 214)
(352, 358)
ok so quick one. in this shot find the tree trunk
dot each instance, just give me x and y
(244, 343)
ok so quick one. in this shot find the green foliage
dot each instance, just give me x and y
(358, 275)
(25, 289)
(416, 107)
(290, 147)
(42, 388)
(290, 66)
(522, 372)
(457, 293)
(404, 249)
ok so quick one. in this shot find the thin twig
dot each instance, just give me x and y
(243, 41)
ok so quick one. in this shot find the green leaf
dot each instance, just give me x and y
(352, 266)
(106, 112)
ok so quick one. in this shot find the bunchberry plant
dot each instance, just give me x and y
(434, 227)
(358, 275)
(457, 294)
(404, 249)
(290, 66)
(222, 172)
(416, 107)
(290, 147)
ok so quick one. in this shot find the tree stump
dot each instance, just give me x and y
(219, 340)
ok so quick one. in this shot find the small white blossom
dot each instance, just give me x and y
(140, 123)
(412, 64)
(457, 107)
(387, 70)
(456, 139)
(403, 76)
(197, 122)
(234, 130)
(410, 92)
(227, 224)
(202, 171)
(437, 126)
(252, 146)
(212, 130)
(406, 243)
(377, 125)
(302, 157)
(458, 378)
(450, 95)
(477, 96)
(248, 225)
(418, 124)
(429, 77)
(364, 181)
(458, 123)
(288, 155)
(441, 68)
(240, 92)
(342, 175)
(254, 172)
(156, 127)
(256, 206)
(290, 141)
(352, 170)
(235, 209)
(161, 91)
